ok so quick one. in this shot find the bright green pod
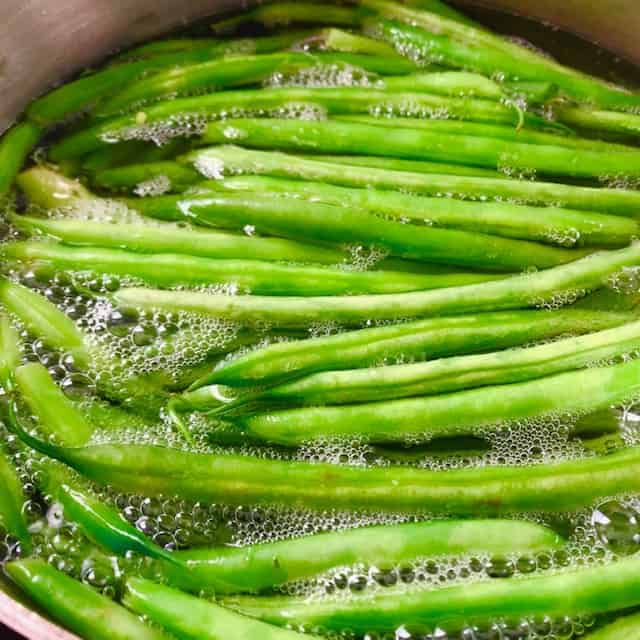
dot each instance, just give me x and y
(77, 606)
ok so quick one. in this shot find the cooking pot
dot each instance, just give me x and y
(43, 42)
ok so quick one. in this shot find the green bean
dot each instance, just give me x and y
(553, 286)
(334, 39)
(212, 162)
(259, 567)
(622, 629)
(12, 500)
(448, 83)
(15, 145)
(44, 320)
(57, 415)
(420, 340)
(177, 178)
(10, 353)
(626, 124)
(552, 225)
(573, 592)
(150, 123)
(77, 605)
(509, 56)
(204, 620)
(528, 136)
(419, 144)
(169, 238)
(388, 164)
(237, 71)
(328, 223)
(99, 522)
(265, 278)
(89, 89)
(214, 47)
(449, 414)
(375, 384)
(143, 178)
(235, 479)
(122, 153)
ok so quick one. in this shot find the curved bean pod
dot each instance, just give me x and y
(236, 479)
(259, 567)
(15, 145)
(450, 374)
(77, 605)
(419, 340)
(205, 620)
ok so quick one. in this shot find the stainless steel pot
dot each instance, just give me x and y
(44, 41)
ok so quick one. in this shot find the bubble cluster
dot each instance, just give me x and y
(156, 186)
(323, 76)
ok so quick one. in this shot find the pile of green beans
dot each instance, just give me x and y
(323, 264)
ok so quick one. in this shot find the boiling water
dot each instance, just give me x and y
(128, 343)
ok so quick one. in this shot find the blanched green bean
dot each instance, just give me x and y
(57, 415)
(15, 145)
(449, 414)
(237, 71)
(552, 225)
(214, 47)
(259, 567)
(573, 592)
(420, 340)
(148, 124)
(264, 278)
(235, 479)
(389, 164)
(76, 96)
(334, 39)
(190, 618)
(555, 286)
(77, 605)
(528, 136)
(347, 386)
(509, 55)
(176, 177)
(164, 176)
(101, 523)
(448, 83)
(331, 136)
(12, 500)
(328, 223)
(44, 320)
(215, 161)
(170, 238)
(626, 124)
